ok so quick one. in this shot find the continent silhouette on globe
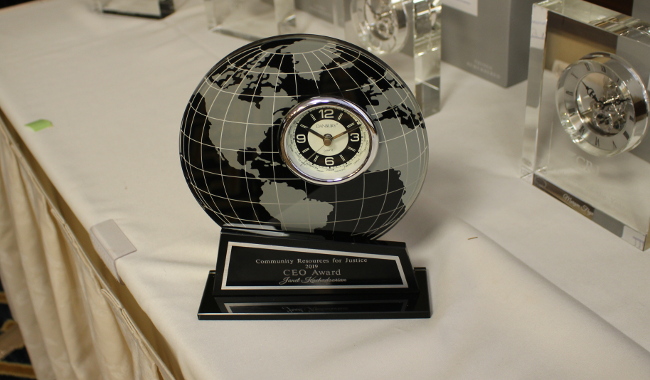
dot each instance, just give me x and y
(230, 140)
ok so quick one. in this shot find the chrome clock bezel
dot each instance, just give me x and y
(290, 124)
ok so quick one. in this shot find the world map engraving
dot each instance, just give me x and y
(230, 136)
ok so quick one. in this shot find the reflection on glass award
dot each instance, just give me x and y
(303, 168)
(251, 19)
(382, 25)
(404, 33)
(140, 8)
(587, 114)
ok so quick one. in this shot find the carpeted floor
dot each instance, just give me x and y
(15, 365)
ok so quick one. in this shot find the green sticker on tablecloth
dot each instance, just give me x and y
(39, 124)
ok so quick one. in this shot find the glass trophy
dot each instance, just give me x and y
(404, 33)
(251, 19)
(141, 8)
(489, 39)
(586, 140)
(305, 149)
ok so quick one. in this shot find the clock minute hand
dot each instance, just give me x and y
(346, 131)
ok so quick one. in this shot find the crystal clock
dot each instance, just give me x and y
(586, 118)
(381, 24)
(603, 104)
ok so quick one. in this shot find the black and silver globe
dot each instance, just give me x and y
(233, 140)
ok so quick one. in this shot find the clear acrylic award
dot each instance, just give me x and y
(406, 35)
(141, 8)
(251, 19)
(586, 140)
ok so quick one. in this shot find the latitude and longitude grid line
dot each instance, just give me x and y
(373, 216)
(204, 129)
(224, 198)
(383, 76)
(250, 107)
(418, 127)
(340, 67)
(275, 183)
(406, 164)
(221, 90)
(203, 200)
(313, 74)
(224, 121)
(189, 172)
(341, 201)
(341, 92)
(222, 130)
(250, 123)
(390, 219)
(395, 113)
(331, 49)
(252, 61)
(397, 190)
(260, 55)
(325, 47)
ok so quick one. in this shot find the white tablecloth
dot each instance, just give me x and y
(522, 287)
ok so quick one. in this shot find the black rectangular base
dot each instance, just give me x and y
(354, 306)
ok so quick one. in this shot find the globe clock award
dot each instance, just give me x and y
(305, 149)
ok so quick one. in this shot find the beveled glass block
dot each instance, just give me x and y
(585, 139)
(250, 19)
(140, 8)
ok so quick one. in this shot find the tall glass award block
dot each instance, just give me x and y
(251, 19)
(140, 8)
(405, 34)
(586, 140)
(489, 39)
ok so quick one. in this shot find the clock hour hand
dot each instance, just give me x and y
(317, 134)
(327, 139)
(592, 93)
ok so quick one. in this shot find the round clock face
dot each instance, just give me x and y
(327, 140)
(603, 105)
